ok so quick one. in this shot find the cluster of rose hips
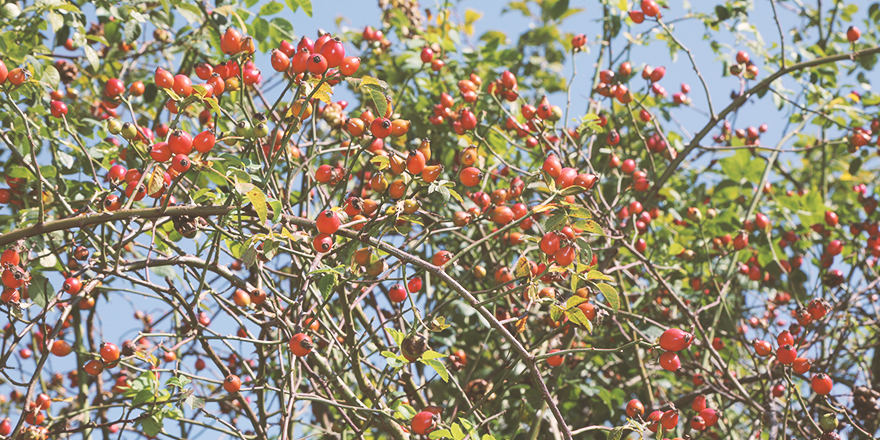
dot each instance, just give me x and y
(506, 87)
(744, 66)
(397, 294)
(705, 418)
(649, 8)
(786, 353)
(14, 192)
(463, 119)
(376, 38)
(750, 135)
(533, 129)
(427, 56)
(17, 76)
(861, 137)
(33, 411)
(612, 85)
(13, 276)
(323, 57)
(220, 78)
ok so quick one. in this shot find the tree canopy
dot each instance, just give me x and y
(416, 230)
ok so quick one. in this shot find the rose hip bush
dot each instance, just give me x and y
(201, 238)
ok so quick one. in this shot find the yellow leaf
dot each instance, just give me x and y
(381, 162)
(323, 93)
(522, 267)
(521, 325)
(470, 16)
(224, 10)
(157, 180)
(836, 101)
(287, 234)
(542, 208)
(258, 199)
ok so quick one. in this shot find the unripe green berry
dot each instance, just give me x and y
(114, 126)
(828, 422)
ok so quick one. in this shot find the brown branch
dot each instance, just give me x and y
(738, 102)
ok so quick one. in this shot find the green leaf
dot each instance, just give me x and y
(327, 283)
(51, 77)
(65, 159)
(556, 312)
(39, 289)
(555, 221)
(381, 162)
(431, 354)
(406, 411)
(143, 396)
(555, 9)
(574, 301)
(616, 433)
(394, 361)
(179, 381)
(398, 336)
(675, 249)
(92, 56)
(258, 200)
(596, 275)
(194, 402)
(49, 171)
(152, 425)
(338, 270)
(49, 260)
(522, 267)
(438, 366)
(590, 227)
(271, 8)
(488, 437)
(262, 29)
(455, 194)
(578, 212)
(443, 433)
(438, 324)
(377, 96)
(323, 93)
(306, 5)
(190, 12)
(577, 316)
(741, 165)
(132, 31)
(457, 433)
(56, 20)
(284, 29)
(18, 172)
(610, 294)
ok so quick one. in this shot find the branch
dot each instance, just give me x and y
(738, 102)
